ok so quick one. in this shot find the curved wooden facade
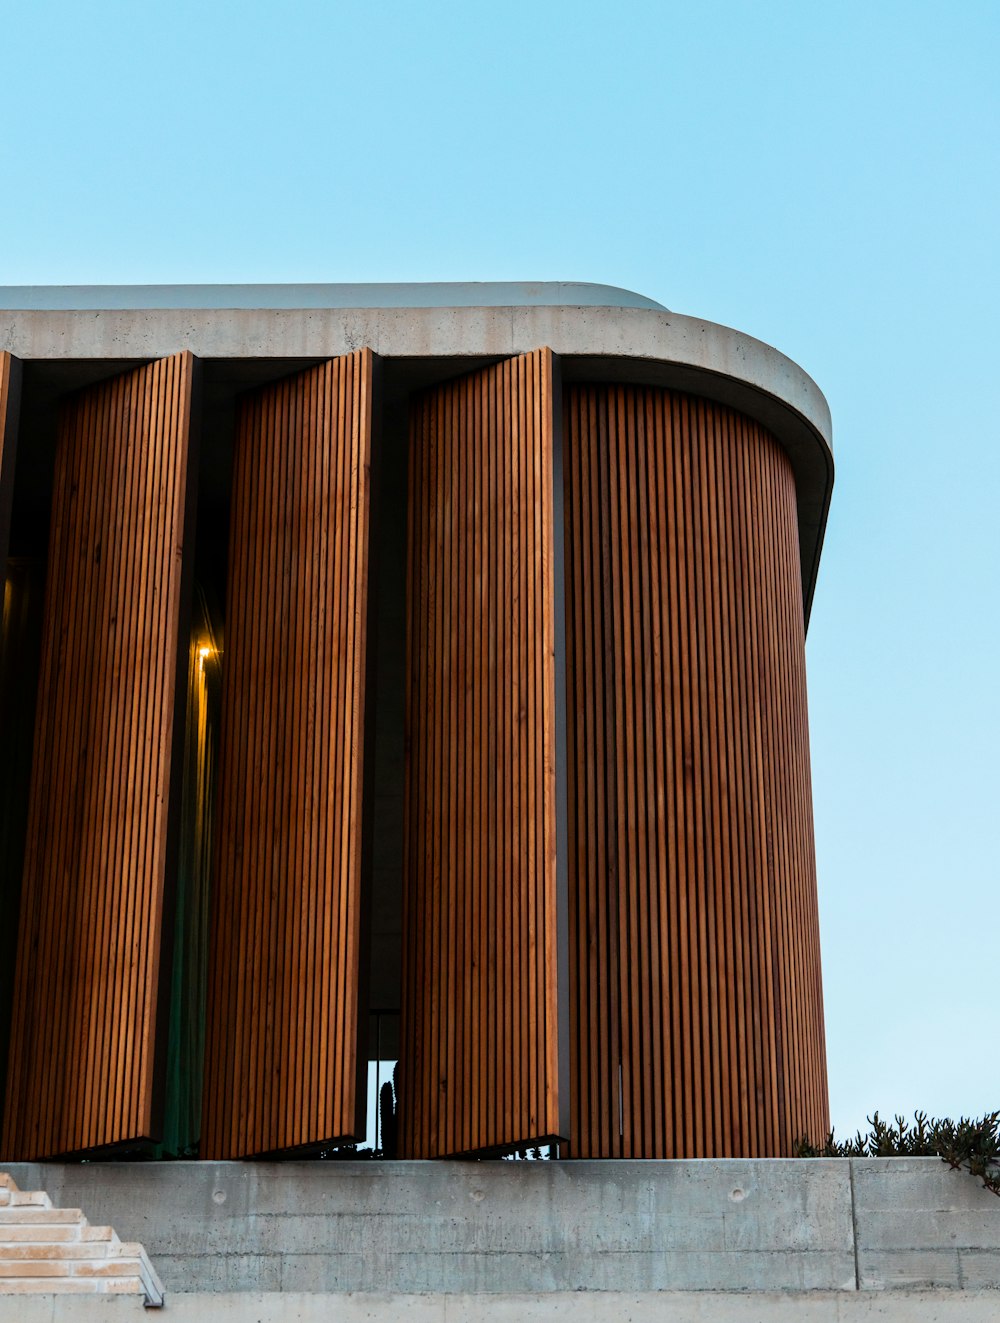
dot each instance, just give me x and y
(696, 1004)
(584, 706)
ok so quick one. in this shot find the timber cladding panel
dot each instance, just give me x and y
(609, 914)
(480, 1061)
(284, 1014)
(696, 1004)
(88, 977)
(10, 390)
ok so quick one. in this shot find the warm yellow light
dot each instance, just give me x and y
(204, 652)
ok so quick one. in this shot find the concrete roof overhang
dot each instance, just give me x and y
(600, 333)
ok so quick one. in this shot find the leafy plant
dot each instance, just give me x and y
(966, 1144)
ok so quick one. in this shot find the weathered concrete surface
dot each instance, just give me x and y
(565, 1307)
(408, 294)
(410, 331)
(490, 1226)
(656, 345)
(919, 1224)
(501, 1227)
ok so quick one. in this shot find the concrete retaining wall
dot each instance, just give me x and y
(561, 1307)
(498, 1227)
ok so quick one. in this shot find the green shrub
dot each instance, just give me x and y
(965, 1144)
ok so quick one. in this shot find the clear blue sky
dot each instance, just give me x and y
(824, 177)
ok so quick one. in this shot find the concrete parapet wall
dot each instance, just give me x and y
(536, 1228)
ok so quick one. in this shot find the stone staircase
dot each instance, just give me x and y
(45, 1250)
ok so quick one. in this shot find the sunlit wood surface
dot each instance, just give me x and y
(480, 1064)
(696, 1007)
(282, 1053)
(89, 973)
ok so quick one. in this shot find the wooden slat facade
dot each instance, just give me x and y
(696, 1000)
(285, 1028)
(10, 391)
(657, 755)
(480, 1062)
(87, 1001)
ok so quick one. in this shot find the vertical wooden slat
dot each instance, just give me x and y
(10, 401)
(88, 1011)
(17, 669)
(285, 1038)
(695, 978)
(480, 1019)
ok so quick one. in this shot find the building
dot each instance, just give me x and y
(405, 673)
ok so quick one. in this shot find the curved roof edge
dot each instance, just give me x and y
(441, 294)
(642, 344)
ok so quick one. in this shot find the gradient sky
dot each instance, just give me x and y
(824, 177)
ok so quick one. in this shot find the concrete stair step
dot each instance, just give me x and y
(11, 1196)
(65, 1286)
(89, 1233)
(56, 1250)
(28, 1199)
(35, 1233)
(31, 1215)
(74, 1249)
